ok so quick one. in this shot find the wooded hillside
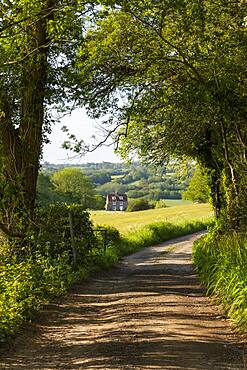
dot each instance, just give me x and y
(136, 180)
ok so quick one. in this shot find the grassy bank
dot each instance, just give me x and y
(129, 221)
(27, 283)
(221, 262)
(159, 232)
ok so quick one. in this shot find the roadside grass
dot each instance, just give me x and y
(221, 262)
(131, 221)
(159, 232)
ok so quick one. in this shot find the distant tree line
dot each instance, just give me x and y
(89, 184)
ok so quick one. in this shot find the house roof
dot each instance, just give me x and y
(117, 197)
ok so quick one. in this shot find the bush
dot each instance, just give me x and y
(139, 205)
(53, 234)
(107, 235)
(99, 202)
(221, 262)
(159, 232)
(42, 268)
(27, 284)
(161, 204)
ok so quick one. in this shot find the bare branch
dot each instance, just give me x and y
(8, 232)
(12, 62)
(102, 142)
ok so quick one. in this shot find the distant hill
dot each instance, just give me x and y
(136, 179)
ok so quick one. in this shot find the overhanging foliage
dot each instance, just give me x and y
(174, 75)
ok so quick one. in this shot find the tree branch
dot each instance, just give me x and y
(8, 232)
(176, 48)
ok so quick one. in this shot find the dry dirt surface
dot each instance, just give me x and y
(149, 312)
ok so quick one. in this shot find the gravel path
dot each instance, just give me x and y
(148, 313)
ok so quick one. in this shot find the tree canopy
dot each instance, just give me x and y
(170, 78)
(174, 75)
(38, 43)
(198, 190)
(72, 181)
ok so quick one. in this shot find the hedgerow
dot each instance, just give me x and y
(53, 230)
(27, 284)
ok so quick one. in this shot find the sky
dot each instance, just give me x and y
(84, 128)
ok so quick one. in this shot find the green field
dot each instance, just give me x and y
(129, 221)
(176, 202)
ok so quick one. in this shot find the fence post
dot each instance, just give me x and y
(105, 240)
(72, 238)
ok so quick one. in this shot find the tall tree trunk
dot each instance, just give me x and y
(32, 113)
(22, 144)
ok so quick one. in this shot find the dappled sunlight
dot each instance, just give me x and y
(150, 313)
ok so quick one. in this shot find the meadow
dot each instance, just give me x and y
(126, 222)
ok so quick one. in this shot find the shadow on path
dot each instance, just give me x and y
(151, 316)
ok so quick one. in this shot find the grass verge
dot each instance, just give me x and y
(159, 232)
(221, 262)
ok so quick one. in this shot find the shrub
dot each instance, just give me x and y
(160, 204)
(106, 236)
(27, 284)
(159, 232)
(53, 233)
(139, 205)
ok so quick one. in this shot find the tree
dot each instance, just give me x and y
(111, 187)
(198, 189)
(73, 182)
(139, 205)
(38, 44)
(99, 202)
(45, 190)
(174, 75)
(47, 194)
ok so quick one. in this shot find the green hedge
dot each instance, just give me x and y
(52, 233)
(139, 204)
(25, 285)
(221, 262)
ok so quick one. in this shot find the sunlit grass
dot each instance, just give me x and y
(221, 262)
(177, 202)
(130, 221)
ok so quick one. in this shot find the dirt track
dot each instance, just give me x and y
(148, 313)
